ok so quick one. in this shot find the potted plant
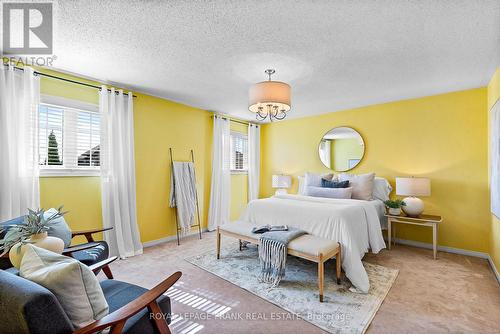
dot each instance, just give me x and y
(394, 206)
(32, 230)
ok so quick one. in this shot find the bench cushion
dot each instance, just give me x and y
(240, 228)
(307, 244)
(312, 245)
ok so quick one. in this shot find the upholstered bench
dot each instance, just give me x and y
(307, 246)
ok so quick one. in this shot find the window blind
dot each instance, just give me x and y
(68, 138)
(239, 152)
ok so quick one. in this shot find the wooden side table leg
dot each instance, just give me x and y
(389, 232)
(394, 235)
(434, 240)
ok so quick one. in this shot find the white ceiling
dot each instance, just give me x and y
(335, 54)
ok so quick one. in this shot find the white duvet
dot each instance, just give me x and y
(353, 223)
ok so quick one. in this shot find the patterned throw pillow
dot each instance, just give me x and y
(334, 184)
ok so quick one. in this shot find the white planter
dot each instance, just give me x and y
(41, 240)
(394, 211)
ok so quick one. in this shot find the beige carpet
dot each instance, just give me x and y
(342, 311)
(454, 294)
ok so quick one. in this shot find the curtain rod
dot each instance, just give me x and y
(62, 79)
(235, 120)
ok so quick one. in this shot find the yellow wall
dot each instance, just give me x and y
(493, 96)
(158, 124)
(443, 137)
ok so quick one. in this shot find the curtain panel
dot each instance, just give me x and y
(118, 190)
(19, 171)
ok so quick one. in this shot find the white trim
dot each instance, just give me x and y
(68, 172)
(453, 250)
(495, 271)
(68, 103)
(239, 171)
(169, 238)
(442, 248)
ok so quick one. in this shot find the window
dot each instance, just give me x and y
(69, 139)
(239, 152)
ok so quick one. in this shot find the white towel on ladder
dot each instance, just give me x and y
(183, 194)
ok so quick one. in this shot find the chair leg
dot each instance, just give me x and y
(159, 321)
(338, 262)
(107, 272)
(321, 275)
(218, 243)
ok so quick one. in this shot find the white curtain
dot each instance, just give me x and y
(253, 161)
(19, 98)
(118, 173)
(220, 191)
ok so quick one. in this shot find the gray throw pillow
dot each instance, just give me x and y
(58, 228)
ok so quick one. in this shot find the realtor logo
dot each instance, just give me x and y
(27, 28)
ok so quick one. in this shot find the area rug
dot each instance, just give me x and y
(342, 311)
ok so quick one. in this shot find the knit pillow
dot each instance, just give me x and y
(73, 283)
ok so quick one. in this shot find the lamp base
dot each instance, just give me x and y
(281, 191)
(414, 206)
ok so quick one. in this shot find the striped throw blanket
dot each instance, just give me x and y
(272, 254)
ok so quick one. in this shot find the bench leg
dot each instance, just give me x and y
(338, 262)
(218, 243)
(321, 275)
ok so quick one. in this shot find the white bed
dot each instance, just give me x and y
(356, 224)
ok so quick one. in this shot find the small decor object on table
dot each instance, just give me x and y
(394, 206)
(422, 220)
(33, 231)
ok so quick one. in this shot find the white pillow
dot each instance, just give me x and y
(314, 180)
(73, 283)
(302, 185)
(345, 193)
(362, 185)
(381, 189)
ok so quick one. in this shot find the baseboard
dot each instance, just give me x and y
(443, 248)
(453, 250)
(169, 238)
(494, 268)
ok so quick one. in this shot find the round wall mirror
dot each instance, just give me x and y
(341, 149)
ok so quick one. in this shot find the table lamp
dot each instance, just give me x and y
(412, 187)
(282, 183)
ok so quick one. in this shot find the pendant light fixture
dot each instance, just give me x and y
(269, 99)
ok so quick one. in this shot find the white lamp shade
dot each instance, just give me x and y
(282, 181)
(413, 186)
(269, 92)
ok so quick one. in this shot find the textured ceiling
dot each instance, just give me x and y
(334, 54)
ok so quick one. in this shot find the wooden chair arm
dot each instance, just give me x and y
(104, 263)
(91, 231)
(117, 319)
(68, 251)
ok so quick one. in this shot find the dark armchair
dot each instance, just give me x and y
(89, 253)
(26, 307)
